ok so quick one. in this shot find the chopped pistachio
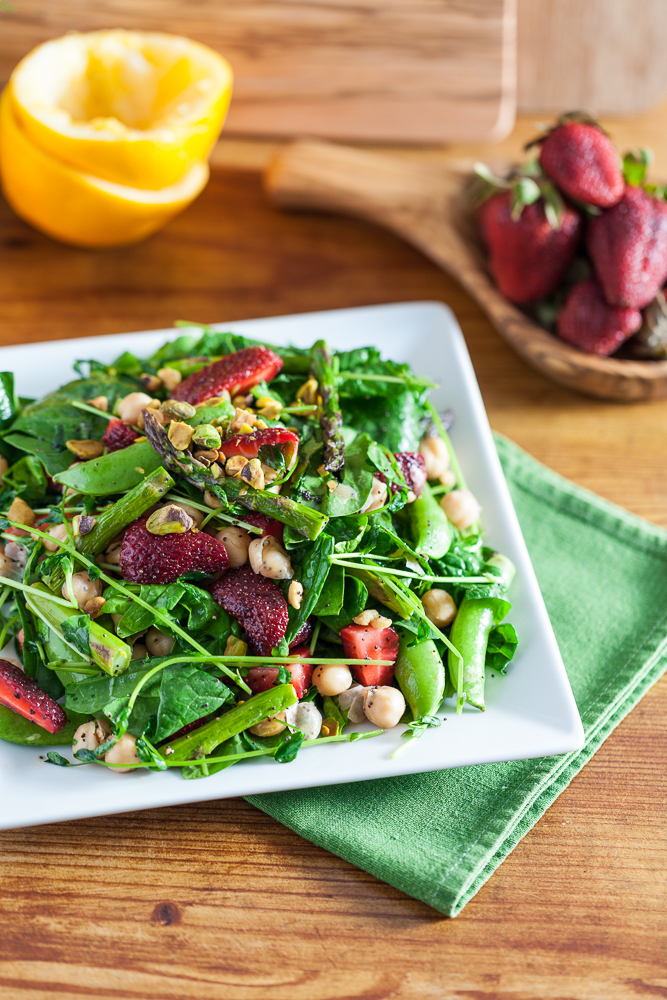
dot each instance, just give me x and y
(100, 403)
(253, 474)
(308, 392)
(94, 606)
(206, 436)
(151, 383)
(20, 511)
(85, 450)
(235, 465)
(180, 435)
(235, 647)
(175, 409)
(169, 520)
(215, 470)
(83, 524)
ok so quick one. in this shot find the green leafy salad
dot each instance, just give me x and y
(232, 550)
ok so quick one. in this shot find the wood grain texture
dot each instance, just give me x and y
(218, 902)
(603, 55)
(426, 205)
(378, 70)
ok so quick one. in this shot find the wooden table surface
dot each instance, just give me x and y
(219, 901)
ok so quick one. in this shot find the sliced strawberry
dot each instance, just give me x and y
(360, 642)
(263, 678)
(147, 558)
(20, 693)
(269, 525)
(119, 435)
(248, 445)
(236, 373)
(302, 636)
(258, 605)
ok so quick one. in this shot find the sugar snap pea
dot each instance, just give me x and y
(421, 676)
(204, 740)
(470, 634)
(433, 534)
(116, 472)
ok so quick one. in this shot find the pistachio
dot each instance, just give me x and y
(308, 392)
(174, 409)
(180, 435)
(170, 378)
(21, 512)
(85, 450)
(240, 418)
(94, 606)
(206, 436)
(215, 470)
(235, 465)
(151, 383)
(235, 647)
(268, 407)
(169, 520)
(295, 594)
(100, 403)
(269, 473)
(329, 727)
(243, 399)
(252, 473)
(82, 524)
(206, 457)
(4, 465)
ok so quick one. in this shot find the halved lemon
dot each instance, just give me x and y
(132, 107)
(79, 208)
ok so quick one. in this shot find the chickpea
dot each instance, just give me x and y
(83, 588)
(157, 643)
(130, 407)
(461, 508)
(306, 717)
(332, 678)
(123, 752)
(139, 651)
(384, 706)
(7, 567)
(236, 542)
(90, 735)
(436, 457)
(439, 607)
(4, 465)
(269, 727)
(59, 532)
(268, 557)
(377, 498)
(112, 554)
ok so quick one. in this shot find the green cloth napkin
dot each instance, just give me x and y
(440, 836)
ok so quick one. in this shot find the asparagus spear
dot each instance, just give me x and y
(325, 370)
(113, 519)
(296, 515)
(107, 651)
(206, 738)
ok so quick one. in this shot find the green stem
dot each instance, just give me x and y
(27, 589)
(453, 460)
(89, 409)
(415, 576)
(410, 381)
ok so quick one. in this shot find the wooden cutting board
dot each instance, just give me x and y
(427, 71)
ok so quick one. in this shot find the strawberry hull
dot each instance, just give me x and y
(23, 696)
(360, 642)
(234, 374)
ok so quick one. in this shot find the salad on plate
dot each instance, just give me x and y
(231, 550)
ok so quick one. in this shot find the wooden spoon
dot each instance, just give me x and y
(426, 205)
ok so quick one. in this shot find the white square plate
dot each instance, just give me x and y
(530, 713)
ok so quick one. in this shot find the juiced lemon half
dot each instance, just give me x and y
(104, 136)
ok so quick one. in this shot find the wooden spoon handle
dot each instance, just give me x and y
(310, 174)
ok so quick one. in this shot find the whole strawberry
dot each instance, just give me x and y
(582, 161)
(628, 247)
(588, 321)
(528, 256)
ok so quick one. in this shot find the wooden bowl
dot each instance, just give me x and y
(425, 205)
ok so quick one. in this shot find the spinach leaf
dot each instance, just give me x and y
(8, 402)
(501, 647)
(185, 694)
(357, 478)
(330, 601)
(289, 748)
(313, 574)
(115, 472)
(396, 420)
(27, 477)
(332, 710)
(354, 602)
(163, 597)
